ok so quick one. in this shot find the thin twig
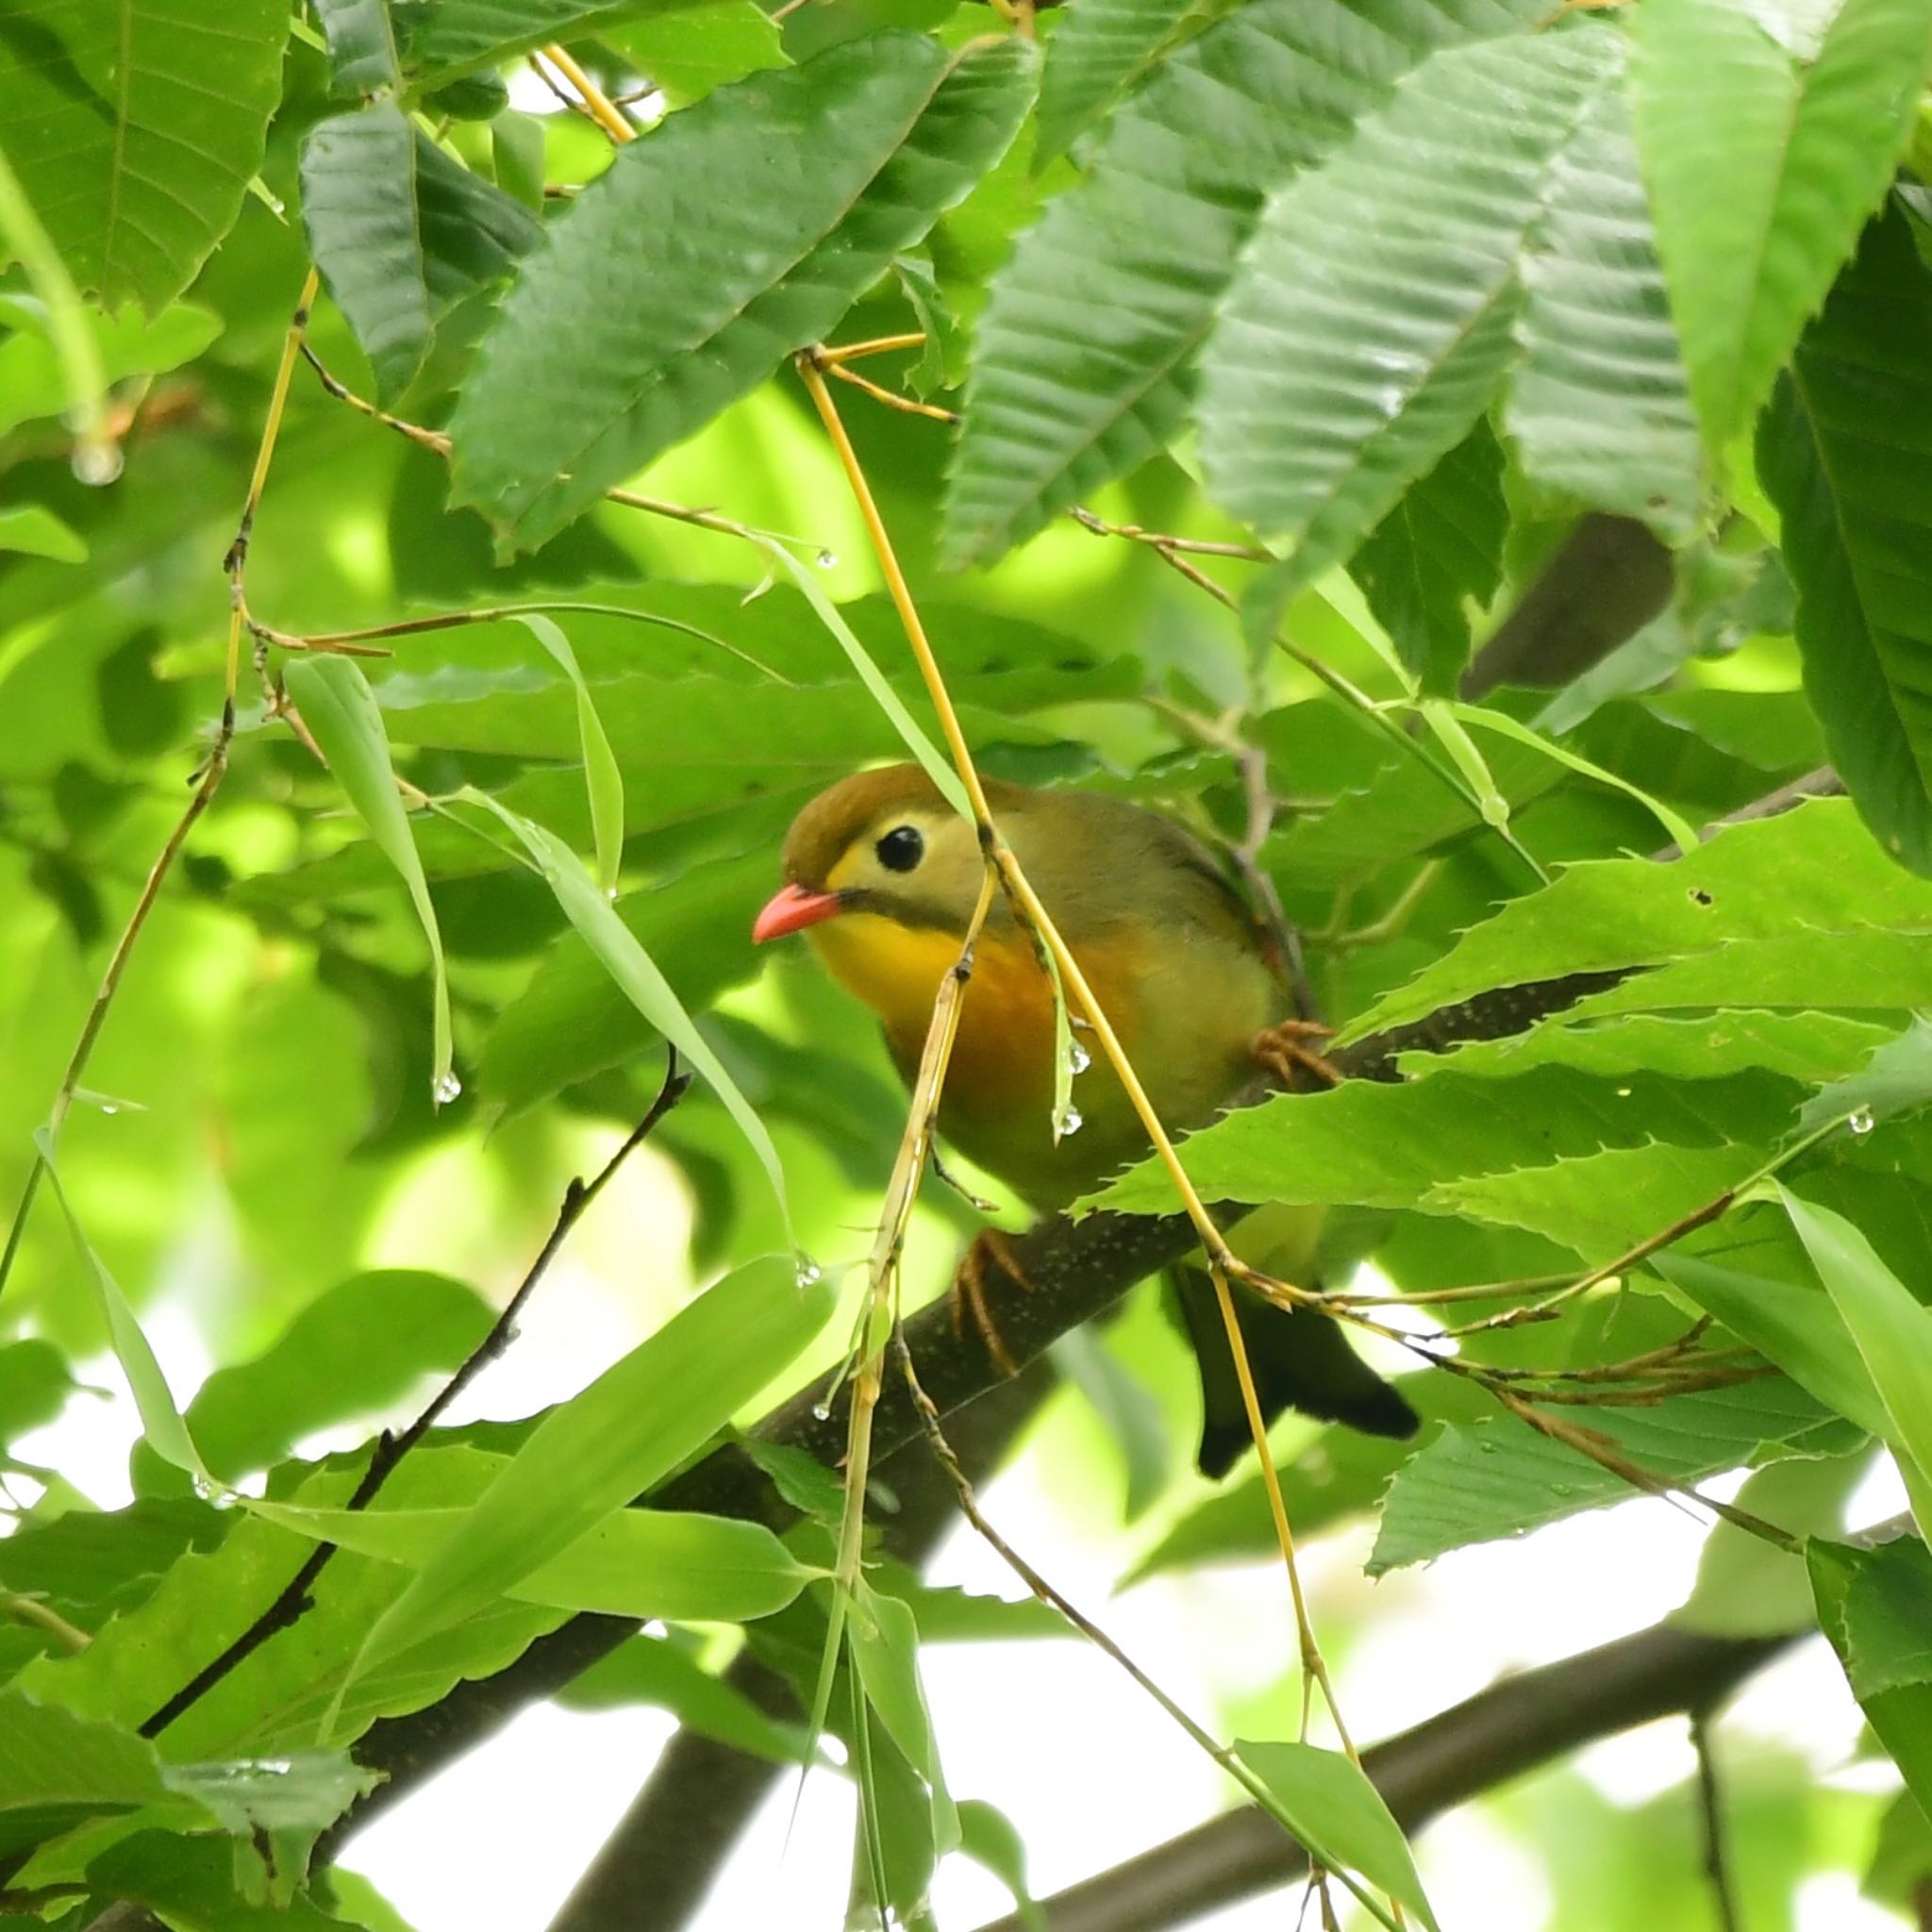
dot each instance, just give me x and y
(1709, 1804)
(207, 781)
(290, 1604)
(892, 398)
(596, 104)
(31, 1610)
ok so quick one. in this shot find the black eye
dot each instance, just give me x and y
(900, 849)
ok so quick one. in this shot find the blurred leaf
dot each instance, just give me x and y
(1599, 406)
(340, 711)
(1315, 418)
(348, 1354)
(1501, 1478)
(32, 382)
(989, 1838)
(610, 1443)
(160, 1418)
(1440, 546)
(134, 126)
(402, 233)
(1892, 1330)
(1747, 1586)
(1126, 1409)
(1084, 356)
(34, 530)
(658, 1671)
(1836, 449)
(1902, 1858)
(811, 178)
(1339, 1816)
(1763, 157)
(445, 38)
(34, 1382)
(1815, 871)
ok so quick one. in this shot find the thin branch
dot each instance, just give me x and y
(1711, 1809)
(911, 406)
(597, 105)
(207, 781)
(1473, 1747)
(294, 1599)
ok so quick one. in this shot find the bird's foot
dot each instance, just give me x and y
(992, 1254)
(1286, 1052)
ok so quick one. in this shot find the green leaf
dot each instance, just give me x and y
(361, 45)
(1339, 1816)
(1099, 53)
(811, 178)
(450, 37)
(1763, 159)
(661, 1671)
(34, 1385)
(1892, 1330)
(639, 1563)
(1498, 1478)
(348, 1354)
(1383, 1145)
(1896, 1079)
(1872, 1606)
(340, 711)
(1791, 1325)
(198, 1884)
(1084, 366)
(603, 781)
(1837, 449)
(884, 1638)
(32, 381)
(57, 1769)
(402, 233)
(1773, 885)
(34, 530)
(643, 981)
(604, 1447)
(160, 1418)
(1439, 547)
(134, 127)
(690, 50)
(1599, 406)
(1319, 411)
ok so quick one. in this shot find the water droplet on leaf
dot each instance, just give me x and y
(446, 1088)
(827, 559)
(1078, 1057)
(808, 1272)
(1861, 1121)
(822, 1412)
(97, 463)
(1069, 1123)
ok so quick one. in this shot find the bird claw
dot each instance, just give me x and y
(1284, 1051)
(990, 1245)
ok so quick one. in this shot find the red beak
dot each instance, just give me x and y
(791, 910)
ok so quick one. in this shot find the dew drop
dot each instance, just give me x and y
(1070, 1122)
(827, 559)
(1861, 1122)
(1078, 1058)
(808, 1273)
(822, 1412)
(111, 1106)
(97, 463)
(446, 1088)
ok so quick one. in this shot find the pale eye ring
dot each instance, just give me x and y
(900, 849)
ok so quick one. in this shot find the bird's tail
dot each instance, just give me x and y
(1299, 1361)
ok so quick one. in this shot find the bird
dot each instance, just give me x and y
(882, 876)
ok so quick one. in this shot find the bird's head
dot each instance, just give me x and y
(884, 843)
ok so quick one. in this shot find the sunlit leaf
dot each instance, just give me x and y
(603, 781)
(340, 710)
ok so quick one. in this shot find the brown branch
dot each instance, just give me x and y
(294, 1599)
(1470, 1748)
(1076, 1271)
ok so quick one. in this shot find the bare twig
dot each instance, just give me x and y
(294, 1598)
(1711, 1808)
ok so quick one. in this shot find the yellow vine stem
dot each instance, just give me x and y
(206, 781)
(1223, 1262)
(597, 103)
